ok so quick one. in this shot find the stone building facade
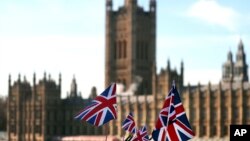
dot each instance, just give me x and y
(37, 112)
(211, 108)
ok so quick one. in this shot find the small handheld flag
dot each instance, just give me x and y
(141, 135)
(129, 124)
(172, 123)
(102, 109)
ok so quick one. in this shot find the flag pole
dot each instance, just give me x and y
(129, 137)
(123, 137)
(169, 108)
(106, 131)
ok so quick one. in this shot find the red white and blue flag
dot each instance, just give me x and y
(102, 109)
(141, 135)
(167, 113)
(129, 124)
(172, 123)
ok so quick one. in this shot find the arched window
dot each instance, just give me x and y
(236, 112)
(193, 114)
(114, 50)
(120, 50)
(117, 49)
(137, 50)
(225, 114)
(213, 115)
(140, 50)
(225, 130)
(124, 49)
(146, 51)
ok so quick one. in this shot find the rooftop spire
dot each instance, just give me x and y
(9, 80)
(60, 78)
(24, 78)
(34, 78)
(168, 64)
(230, 56)
(109, 4)
(19, 77)
(44, 75)
(152, 6)
(240, 53)
(241, 67)
(240, 46)
(73, 89)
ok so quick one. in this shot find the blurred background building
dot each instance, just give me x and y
(36, 111)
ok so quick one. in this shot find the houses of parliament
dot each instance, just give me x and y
(36, 111)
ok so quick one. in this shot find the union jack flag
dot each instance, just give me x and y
(172, 123)
(163, 116)
(102, 109)
(129, 124)
(141, 135)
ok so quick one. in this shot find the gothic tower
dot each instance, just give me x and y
(130, 45)
(236, 71)
(32, 109)
(241, 68)
(228, 68)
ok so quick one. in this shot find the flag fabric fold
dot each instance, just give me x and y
(141, 135)
(102, 109)
(129, 124)
(172, 123)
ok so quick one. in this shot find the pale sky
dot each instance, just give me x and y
(67, 37)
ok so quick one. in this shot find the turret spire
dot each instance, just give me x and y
(230, 56)
(240, 46)
(73, 89)
(241, 67)
(168, 65)
(109, 5)
(9, 80)
(60, 79)
(152, 5)
(34, 78)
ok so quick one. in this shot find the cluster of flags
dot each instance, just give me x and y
(172, 123)
(137, 135)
